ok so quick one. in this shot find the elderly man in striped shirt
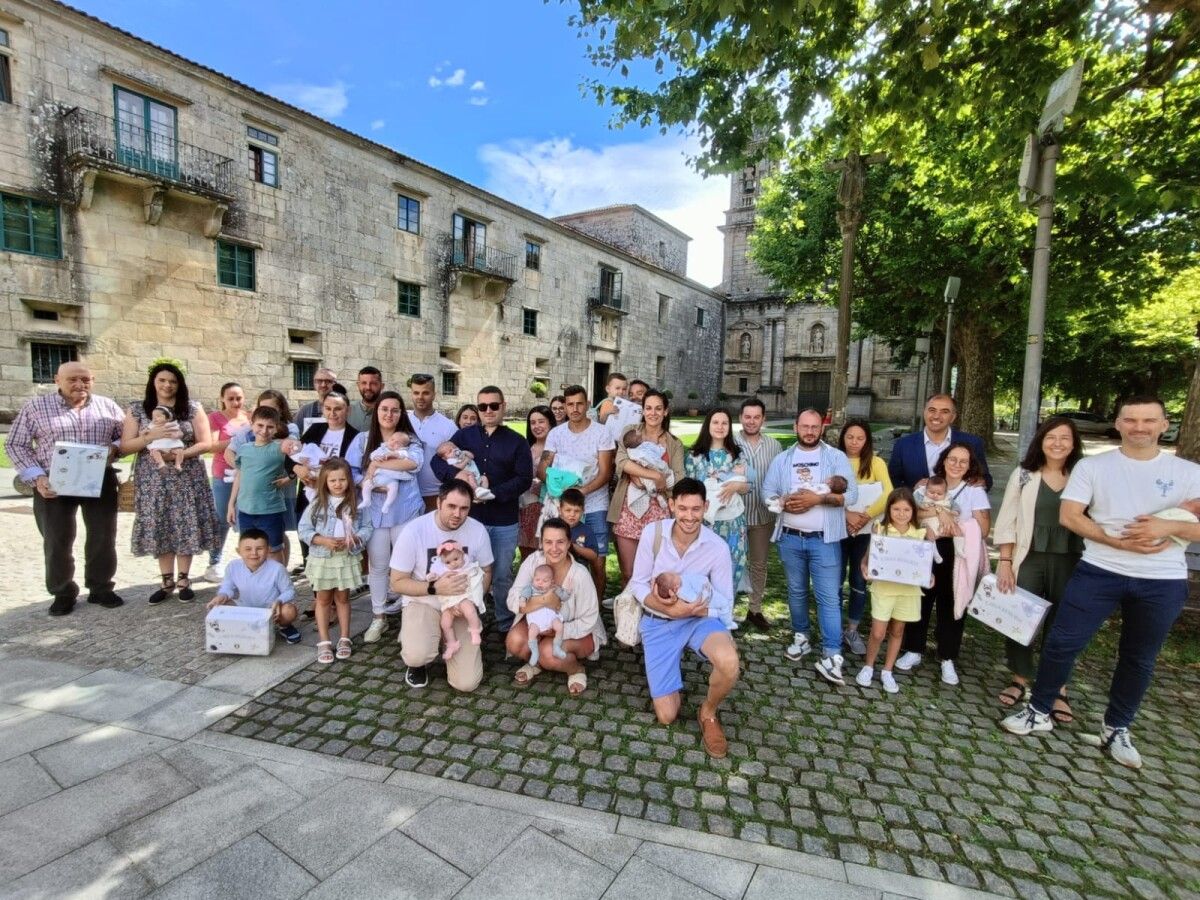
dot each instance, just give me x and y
(72, 413)
(760, 450)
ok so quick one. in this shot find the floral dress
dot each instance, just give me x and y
(173, 511)
(732, 530)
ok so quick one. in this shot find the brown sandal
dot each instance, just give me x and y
(1010, 699)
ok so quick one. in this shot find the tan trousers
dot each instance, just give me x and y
(758, 544)
(421, 638)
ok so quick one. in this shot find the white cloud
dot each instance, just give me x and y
(326, 101)
(377, 124)
(478, 86)
(456, 79)
(478, 101)
(555, 177)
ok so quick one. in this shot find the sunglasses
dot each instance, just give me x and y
(489, 407)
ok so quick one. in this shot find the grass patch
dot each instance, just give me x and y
(5, 462)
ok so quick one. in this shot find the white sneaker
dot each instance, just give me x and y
(214, 573)
(799, 646)
(949, 675)
(375, 631)
(864, 676)
(607, 602)
(888, 680)
(1027, 720)
(1116, 742)
(908, 661)
(830, 668)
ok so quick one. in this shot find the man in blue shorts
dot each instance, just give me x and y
(678, 545)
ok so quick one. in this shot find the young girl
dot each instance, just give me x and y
(892, 604)
(336, 532)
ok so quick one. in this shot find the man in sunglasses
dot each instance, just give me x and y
(502, 456)
(323, 382)
(433, 428)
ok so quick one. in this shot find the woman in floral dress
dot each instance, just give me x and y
(716, 453)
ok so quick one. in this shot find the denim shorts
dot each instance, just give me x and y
(271, 523)
(663, 642)
(598, 523)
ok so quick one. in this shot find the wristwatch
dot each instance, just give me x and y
(431, 588)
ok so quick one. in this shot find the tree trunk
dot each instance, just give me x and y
(977, 380)
(1189, 428)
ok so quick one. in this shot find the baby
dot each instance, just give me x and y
(395, 447)
(836, 484)
(163, 415)
(691, 587)
(309, 455)
(544, 618)
(1187, 511)
(464, 461)
(722, 510)
(451, 558)
(935, 495)
(648, 454)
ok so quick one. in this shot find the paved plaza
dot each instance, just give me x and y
(131, 762)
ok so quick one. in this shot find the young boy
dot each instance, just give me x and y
(254, 580)
(256, 501)
(583, 543)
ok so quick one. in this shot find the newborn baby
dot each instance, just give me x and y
(649, 455)
(1187, 511)
(464, 461)
(310, 455)
(944, 521)
(836, 484)
(163, 415)
(694, 588)
(452, 558)
(544, 618)
(395, 447)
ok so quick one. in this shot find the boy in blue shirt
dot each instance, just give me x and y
(257, 581)
(255, 501)
(583, 542)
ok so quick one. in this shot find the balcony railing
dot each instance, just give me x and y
(95, 139)
(483, 260)
(613, 301)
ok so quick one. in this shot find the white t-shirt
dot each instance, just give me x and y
(1116, 490)
(806, 474)
(331, 443)
(587, 444)
(967, 499)
(417, 546)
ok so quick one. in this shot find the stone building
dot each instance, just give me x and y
(154, 207)
(782, 350)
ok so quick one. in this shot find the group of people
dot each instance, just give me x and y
(428, 514)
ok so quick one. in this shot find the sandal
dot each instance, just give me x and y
(1062, 715)
(184, 583)
(577, 683)
(324, 652)
(344, 648)
(167, 589)
(1013, 694)
(525, 675)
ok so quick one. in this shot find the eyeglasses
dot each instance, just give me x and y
(489, 407)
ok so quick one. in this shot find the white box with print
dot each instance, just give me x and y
(244, 630)
(77, 470)
(902, 560)
(1018, 615)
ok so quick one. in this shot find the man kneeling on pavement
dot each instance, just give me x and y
(683, 545)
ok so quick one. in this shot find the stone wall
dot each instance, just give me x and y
(636, 231)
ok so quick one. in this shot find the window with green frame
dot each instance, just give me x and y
(409, 298)
(235, 265)
(303, 373)
(529, 322)
(46, 358)
(29, 226)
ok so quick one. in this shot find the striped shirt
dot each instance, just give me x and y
(49, 418)
(759, 457)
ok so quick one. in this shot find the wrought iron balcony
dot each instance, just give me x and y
(609, 301)
(477, 259)
(128, 149)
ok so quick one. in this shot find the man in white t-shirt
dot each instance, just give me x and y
(1129, 563)
(581, 438)
(433, 428)
(420, 626)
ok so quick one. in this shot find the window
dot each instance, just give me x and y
(303, 373)
(660, 370)
(46, 359)
(533, 255)
(699, 316)
(662, 249)
(895, 388)
(408, 214)
(743, 385)
(146, 134)
(263, 136)
(409, 299)
(30, 226)
(449, 384)
(264, 166)
(470, 243)
(664, 308)
(235, 265)
(529, 322)
(46, 315)
(6, 94)
(610, 288)
(816, 340)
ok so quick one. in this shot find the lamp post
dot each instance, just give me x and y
(952, 285)
(922, 352)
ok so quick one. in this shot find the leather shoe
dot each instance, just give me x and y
(62, 606)
(108, 601)
(759, 621)
(712, 736)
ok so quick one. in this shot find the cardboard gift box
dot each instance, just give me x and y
(1018, 615)
(77, 470)
(245, 630)
(902, 560)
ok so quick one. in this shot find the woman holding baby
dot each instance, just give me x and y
(576, 619)
(714, 462)
(1036, 552)
(630, 511)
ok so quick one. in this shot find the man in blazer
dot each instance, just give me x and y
(915, 455)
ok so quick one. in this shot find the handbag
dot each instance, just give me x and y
(126, 494)
(627, 612)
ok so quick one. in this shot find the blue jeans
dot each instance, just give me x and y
(504, 546)
(1149, 607)
(854, 548)
(811, 557)
(597, 523)
(220, 492)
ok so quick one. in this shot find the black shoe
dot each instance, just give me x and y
(758, 621)
(167, 589)
(416, 677)
(108, 601)
(186, 594)
(289, 634)
(62, 606)
(299, 570)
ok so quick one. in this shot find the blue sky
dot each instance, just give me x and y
(488, 91)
